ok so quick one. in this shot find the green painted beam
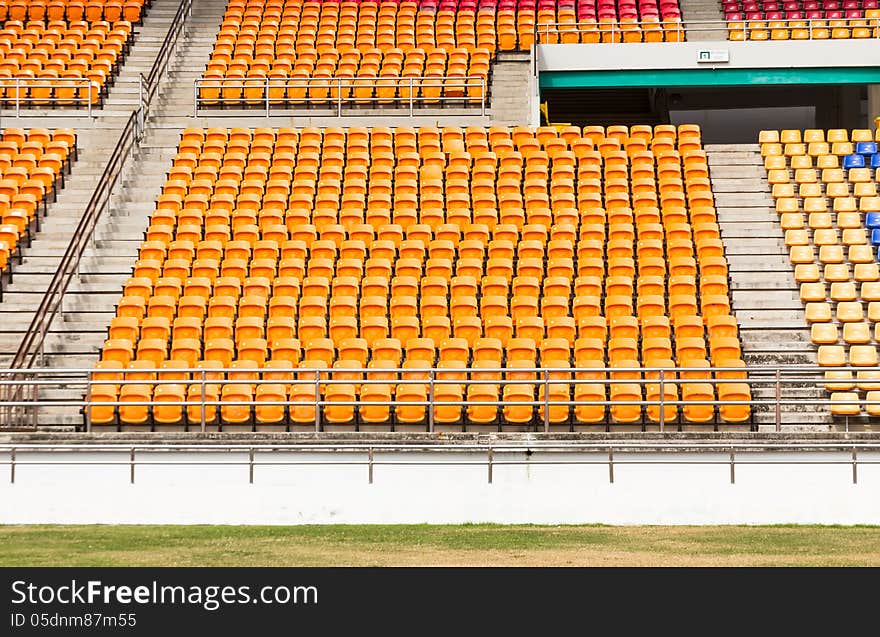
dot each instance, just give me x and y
(708, 77)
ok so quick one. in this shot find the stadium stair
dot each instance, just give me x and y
(73, 339)
(509, 85)
(702, 11)
(765, 297)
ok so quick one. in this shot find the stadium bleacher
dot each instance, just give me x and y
(44, 43)
(825, 187)
(361, 250)
(430, 271)
(307, 40)
(797, 20)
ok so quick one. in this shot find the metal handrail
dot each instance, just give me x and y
(33, 339)
(613, 28)
(559, 453)
(512, 446)
(77, 84)
(32, 342)
(336, 87)
(166, 50)
(681, 27)
(774, 378)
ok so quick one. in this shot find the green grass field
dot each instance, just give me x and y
(423, 545)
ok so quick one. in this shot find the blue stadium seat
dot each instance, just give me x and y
(866, 148)
(875, 237)
(872, 220)
(875, 160)
(853, 161)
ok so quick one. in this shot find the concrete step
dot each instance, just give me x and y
(764, 296)
(94, 294)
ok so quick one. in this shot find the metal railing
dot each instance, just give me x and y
(32, 342)
(611, 454)
(604, 32)
(615, 32)
(337, 93)
(771, 390)
(83, 93)
(31, 347)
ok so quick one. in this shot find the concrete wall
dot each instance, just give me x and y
(743, 55)
(676, 492)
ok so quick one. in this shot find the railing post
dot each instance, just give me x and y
(203, 407)
(489, 454)
(196, 86)
(267, 97)
(88, 406)
(339, 97)
(131, 461)
(90, 98)
(611, 465)
(483, 96)
(411, 88)
(370, 465)
(12, 466)
(251, 465)
(662, 401)
(778, 407)
(317, 401)
(140, 103)
(855, 466)
(35, 411)
(546, 401)
(17, 97)
(431, 401)
(732, 463)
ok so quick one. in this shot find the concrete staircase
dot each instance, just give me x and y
(766, 299)
(78, 331)
(510, 89)
(96, 139)
(695, 11)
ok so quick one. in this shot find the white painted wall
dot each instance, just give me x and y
(683, 55)
(678, 493)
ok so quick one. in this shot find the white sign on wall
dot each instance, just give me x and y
(719, 55)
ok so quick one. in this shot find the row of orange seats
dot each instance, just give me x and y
(316, 78)
(572, 31)
(73, 10)
(274, 401)
(842, 29)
